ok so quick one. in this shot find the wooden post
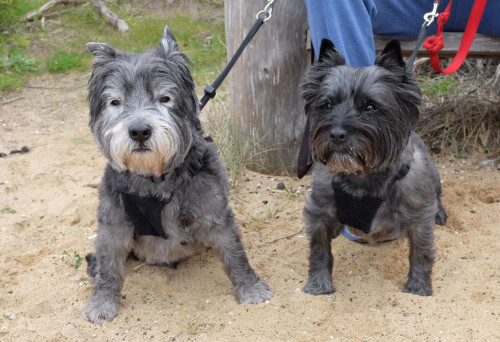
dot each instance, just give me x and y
(264, 85)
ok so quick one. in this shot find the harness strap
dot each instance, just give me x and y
(359, 212)
(145, 211)
(434, 44)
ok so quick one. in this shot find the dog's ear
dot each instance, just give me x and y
(328, 54)
(101, 50)
(391, 56)
(167, 43)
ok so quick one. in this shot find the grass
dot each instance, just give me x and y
(63, 61)
(76, 261)
(218, 125)
(193, 325)
(61, 45)
(267, 215)
(7, 210)
(14, 69)
(439, 86)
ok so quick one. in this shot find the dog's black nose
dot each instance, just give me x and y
(139, 132)
(338, 135)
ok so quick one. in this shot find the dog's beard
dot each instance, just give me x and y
(345, 162)
(150, 158)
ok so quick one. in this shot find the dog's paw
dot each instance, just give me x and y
(100, 308)
(319, 285)
(255, 293)
(441, 218)
(418, 287)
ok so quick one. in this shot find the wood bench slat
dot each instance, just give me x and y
(483, 46)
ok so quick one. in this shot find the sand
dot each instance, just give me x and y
(48, 201)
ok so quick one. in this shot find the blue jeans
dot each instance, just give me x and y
(350, 24)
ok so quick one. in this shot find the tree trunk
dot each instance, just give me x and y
(265, 103)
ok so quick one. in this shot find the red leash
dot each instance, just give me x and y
(434, 44)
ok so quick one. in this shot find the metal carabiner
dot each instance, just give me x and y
(267, 11)
(429, 17)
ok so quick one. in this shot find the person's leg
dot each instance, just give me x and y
(460, 12)
(403, 19)
(347, 23)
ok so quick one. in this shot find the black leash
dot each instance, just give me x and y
(262, 17)
(428, 19)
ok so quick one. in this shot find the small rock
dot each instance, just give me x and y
(281, 186)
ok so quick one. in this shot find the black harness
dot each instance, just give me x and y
(359, 212)
(145, 211)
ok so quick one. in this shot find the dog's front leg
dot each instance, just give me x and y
(321, 226)
(421, 259)
(249, 288)
(107, 269)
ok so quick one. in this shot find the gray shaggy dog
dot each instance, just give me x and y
(164, 193)
(372, 173)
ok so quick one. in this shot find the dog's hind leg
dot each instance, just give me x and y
(249, 288)
(322, 227)
(421, 259)
(107, 269)
(441, 215)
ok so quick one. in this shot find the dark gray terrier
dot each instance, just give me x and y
(164, 193)
(373, 173)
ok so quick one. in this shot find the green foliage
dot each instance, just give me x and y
(7, 210)
(11, 81)
(18, 63)
(200, 36)
(11, 11)
(63, 61)
(13, 69)
(439, 86)
(77, 259)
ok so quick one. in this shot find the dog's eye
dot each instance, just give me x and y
(328, 106)
(164, 99)
(369, 108)
(115, 103)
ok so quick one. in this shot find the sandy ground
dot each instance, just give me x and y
(48, 202)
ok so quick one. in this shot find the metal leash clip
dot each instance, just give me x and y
(267, 12)
(429, 17)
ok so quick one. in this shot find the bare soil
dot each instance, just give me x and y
(48, 201)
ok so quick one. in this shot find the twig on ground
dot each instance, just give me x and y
(139, 266)
(280, 238)
(242, 221)
(12, 99)
(40, 87)
(32, 14)
(110, 16)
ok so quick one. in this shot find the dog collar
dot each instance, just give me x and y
(359, 212)
(145, 211)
